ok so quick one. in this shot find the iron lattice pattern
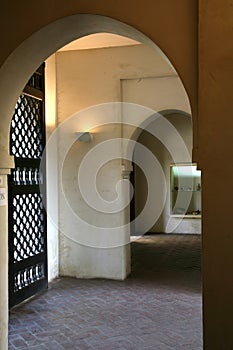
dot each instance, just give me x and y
(28, 225)
(28, 276)
(27, 176)
(36, 81)
(26, 131)
(27, 216)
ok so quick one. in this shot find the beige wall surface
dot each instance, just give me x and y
(90, 77)
(51, 171)
(84, 79)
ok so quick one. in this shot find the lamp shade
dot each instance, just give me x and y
(84, 136)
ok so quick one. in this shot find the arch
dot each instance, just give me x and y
(151, 116)
(172, 152)
(135, 135)
(16, 71)
(24, 60)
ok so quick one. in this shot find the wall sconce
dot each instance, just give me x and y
(84, 136)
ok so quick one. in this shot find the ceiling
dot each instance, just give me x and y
(99, 40)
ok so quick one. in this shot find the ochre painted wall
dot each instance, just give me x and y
(216, 148)
(172, 25)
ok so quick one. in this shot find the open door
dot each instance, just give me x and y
(27, 216)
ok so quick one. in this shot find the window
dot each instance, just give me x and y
(185, 190)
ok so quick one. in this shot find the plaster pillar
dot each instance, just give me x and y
(215, 159)
(3, 259)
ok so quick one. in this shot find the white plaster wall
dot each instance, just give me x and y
(86, 78)
(89, 77)
(159, 92)
(52, 171)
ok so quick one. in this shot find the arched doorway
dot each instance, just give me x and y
(187, 181)
(50, 43)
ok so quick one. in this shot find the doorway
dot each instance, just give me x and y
(187, 218)
(27, 194)
(45, 43)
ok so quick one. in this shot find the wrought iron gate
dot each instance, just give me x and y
(27, 217)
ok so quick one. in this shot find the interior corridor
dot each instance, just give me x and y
(158, 307)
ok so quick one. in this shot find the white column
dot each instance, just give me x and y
(4, 259)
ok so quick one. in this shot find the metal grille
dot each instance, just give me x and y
(27, 176)
(36, 80)
(28, 226)
(28, 276)
(27, 218)
(26, 134)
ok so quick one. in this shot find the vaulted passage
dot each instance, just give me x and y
(158, 307)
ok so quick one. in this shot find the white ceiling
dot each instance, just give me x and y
(99, 40)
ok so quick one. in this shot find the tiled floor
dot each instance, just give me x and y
(158, 307)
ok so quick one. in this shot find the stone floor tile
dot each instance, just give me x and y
(157, 307)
